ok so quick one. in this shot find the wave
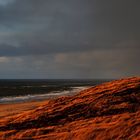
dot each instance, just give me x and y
(37, 97)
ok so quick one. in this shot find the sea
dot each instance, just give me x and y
(23, 90)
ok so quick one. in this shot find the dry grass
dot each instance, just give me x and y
(105, 112)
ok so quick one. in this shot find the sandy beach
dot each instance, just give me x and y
(10, 109)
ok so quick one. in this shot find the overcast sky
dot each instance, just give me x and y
(69, 38)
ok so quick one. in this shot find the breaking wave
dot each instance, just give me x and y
(36, 97)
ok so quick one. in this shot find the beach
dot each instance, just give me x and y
(9, 109)
(15, 105)
(107, 111)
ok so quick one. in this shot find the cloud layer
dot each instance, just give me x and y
(32, 31)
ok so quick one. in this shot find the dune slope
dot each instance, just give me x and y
(104, 112)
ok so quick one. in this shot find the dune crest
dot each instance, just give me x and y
(107, 111)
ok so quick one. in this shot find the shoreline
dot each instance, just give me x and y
(41, 97)
(10, 109)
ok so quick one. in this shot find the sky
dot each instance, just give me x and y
(69, 39)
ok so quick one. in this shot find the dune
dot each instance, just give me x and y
(110, 111)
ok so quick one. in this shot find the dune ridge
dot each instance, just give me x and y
(104, 112)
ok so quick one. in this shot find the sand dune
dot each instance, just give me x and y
(109, 111)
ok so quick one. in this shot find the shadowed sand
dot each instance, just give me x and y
(105, 112)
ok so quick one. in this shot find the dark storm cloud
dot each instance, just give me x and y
(50, 26)
(69, 38)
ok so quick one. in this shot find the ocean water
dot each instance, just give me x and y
(32, 90)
